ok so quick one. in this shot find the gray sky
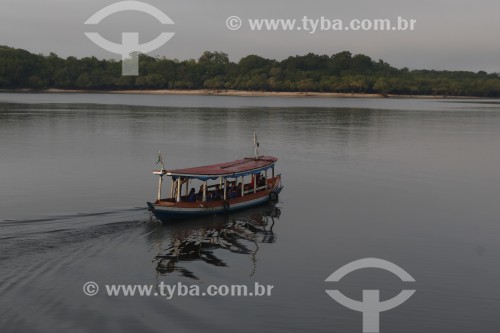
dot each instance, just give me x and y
(450, 34)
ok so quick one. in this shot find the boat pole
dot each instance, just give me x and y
(242, 186)
(159, 187)
(254, 183)
(273, 175)
(204, 192)
(178, 189)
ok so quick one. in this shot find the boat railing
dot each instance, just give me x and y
(250, 191)
(270, 183)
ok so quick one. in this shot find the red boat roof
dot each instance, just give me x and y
(229, 168)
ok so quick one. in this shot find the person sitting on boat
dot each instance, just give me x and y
(261, 180)
(233, 193)
(210, 196)
(199, 195)
(229, 187)
(192, 195)
(217, 193)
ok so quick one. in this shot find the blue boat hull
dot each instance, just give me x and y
(166, 214)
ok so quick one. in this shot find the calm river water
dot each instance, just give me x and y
(414, 182)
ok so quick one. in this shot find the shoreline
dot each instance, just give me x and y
(237, 93)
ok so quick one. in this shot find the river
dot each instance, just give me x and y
(411, 181)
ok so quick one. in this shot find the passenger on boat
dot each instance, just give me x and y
(261, 180)
(199, 195)
(210, 196)
(229, 187)
(192, 195)
(217, 195)
(232, 194)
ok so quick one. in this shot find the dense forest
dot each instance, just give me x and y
(342, 72)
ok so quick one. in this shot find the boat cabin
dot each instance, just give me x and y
(218, 182)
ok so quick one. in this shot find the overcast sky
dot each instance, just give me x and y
(450, 34)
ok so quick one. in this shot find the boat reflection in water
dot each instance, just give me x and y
(237, 233)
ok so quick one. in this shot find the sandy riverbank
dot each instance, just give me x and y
(207, 92)
(242, 93)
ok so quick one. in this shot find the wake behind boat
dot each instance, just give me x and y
(225, 187)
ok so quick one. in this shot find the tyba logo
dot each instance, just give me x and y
(371, 306)
(130, 46)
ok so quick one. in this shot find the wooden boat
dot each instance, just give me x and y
(225, 187)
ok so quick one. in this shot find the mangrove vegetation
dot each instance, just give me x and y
(341, 73)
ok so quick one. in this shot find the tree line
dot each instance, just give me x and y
(341, 72)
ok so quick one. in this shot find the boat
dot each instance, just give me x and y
(223, 188)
